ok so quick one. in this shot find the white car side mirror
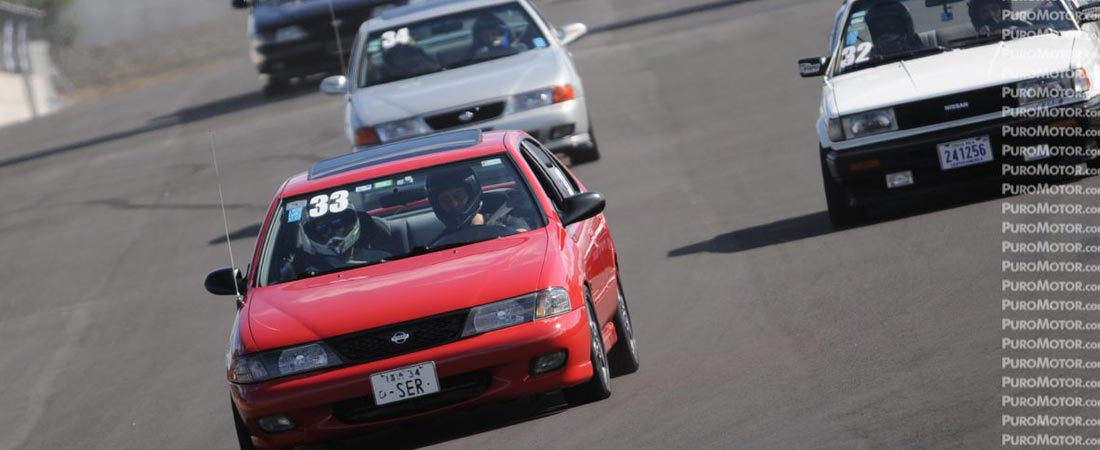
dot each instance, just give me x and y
(571, 32)
(335, 85)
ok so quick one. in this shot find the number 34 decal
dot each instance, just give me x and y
(332, 203)
(854, 54)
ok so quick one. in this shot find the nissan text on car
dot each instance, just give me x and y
(453, 64)
(935, 94)
(422, 277)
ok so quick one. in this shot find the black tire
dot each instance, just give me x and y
(275, 86)
(841, 214)
(244, 437)
(599, 387)
(586, 154)
(623, 357)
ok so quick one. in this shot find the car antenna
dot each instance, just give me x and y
(225, 219)
(336, 32)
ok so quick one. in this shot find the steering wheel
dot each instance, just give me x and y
(473, 233)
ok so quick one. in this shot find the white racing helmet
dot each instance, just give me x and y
(333, 234)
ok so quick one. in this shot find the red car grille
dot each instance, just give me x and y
(386, 342)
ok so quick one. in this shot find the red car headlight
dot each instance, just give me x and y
(514, 311)
(263, 366)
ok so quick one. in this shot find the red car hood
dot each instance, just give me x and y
(394, 292)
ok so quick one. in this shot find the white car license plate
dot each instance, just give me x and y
(965, 152)
(404, 383)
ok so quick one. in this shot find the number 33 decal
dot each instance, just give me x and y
(854, 54)
(324, 204)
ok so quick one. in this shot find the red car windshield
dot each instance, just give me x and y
(397, 216)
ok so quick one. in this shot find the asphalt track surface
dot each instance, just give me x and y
(760, 327)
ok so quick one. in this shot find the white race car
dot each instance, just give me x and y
(922, 94)
(442, 65)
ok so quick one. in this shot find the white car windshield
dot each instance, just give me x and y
(448, 42)
(882, 31)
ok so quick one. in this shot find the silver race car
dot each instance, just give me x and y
(455, 64)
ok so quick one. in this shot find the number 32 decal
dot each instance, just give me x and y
(324, 204)
(854, 54)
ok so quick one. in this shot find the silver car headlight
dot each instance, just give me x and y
(1053, 89)
(263, 366)
(541, 97)
(869, 123)
(514, 311)
(401, 129)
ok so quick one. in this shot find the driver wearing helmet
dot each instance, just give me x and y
(493, 38)
(891, 28)
(334, 241)
(992, 15)
(455, 197)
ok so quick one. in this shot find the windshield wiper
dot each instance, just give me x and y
(425, 249)
(317, 273)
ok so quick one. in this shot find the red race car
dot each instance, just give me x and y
(422, 277)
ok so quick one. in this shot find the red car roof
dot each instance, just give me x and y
(490, 143)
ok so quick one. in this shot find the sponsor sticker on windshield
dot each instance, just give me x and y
(383, 184)
(539, 42)
(294, 215)
(364, 188)
(491, 162)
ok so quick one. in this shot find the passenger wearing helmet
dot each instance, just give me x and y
(455, 196)
(407, 60)
(891, 28)
(334, 241)
(992, 15)
(493, 38)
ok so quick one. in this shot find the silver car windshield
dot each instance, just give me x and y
(882, 31)
(448, 42)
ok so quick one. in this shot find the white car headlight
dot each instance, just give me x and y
(1053, 89)
(264, 366)
(869, 123)
(514, 311)
(401, 129)
(289, 34)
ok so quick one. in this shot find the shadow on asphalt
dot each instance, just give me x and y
(817, 224)
(455, 426)
(250, 231)
(185, 116)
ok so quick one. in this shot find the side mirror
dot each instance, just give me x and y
(225, 281)
(1088, 12)
(812, 67)
(240, 4)
(582, 207)
(570, 33)
(335, 85)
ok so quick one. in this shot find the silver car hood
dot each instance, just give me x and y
(455, 88)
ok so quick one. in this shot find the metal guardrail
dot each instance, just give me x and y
(21, 10)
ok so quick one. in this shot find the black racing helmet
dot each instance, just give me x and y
(491, 21)
(889, 17)
(448, 179)
(977, 18)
